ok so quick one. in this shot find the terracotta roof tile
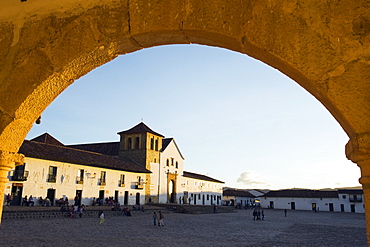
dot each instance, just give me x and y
(75, 156)
(302, 193)
(107, 148)
(201, 177)
(350, 191)
(166, 142)
(46, 138)
(235, 192)
(140, 128)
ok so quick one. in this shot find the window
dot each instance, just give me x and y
(177, 164)
(152, 143)
(139, 184)
(137, 143)
(171, 161)
(343, 196)
(121, 182)
(168, 162)
(102, 179)
(207, 197)
(80, 176)
(52, 176)
(19, 174)
(129, 143)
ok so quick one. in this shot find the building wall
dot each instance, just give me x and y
(66, 182)
(199, 189)
(351, 204)
(166, 170)
(322, 204)
(235, 200)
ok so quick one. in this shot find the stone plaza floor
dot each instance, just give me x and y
(299, 228)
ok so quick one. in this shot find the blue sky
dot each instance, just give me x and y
(233, 117)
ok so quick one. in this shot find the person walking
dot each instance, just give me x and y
(161, 217)
(101, 216)
(155, 218)
(80, 210)
(285, 211)
(8, 199)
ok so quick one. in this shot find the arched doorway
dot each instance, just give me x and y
(171, 187)
(172, 192)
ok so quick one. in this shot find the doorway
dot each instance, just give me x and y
(313, 205)
(116, 196)
(125, 199)
(51, 195)
(137, 202)
(16, 194)
(79, 194)
(172, 192)
(292, 205)
(101, 195)
(331, 207)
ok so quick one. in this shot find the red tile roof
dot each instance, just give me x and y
(107, 148)
(166, 142)
(46, 138)
(140, 128)
(59, 153)
(236, 192)
(200, 177)
(303, 193)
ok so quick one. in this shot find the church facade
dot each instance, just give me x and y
(142, 167)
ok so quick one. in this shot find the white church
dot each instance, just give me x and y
(142, 167)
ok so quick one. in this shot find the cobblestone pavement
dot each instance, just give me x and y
(299, 228)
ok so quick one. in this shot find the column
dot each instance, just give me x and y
(358, 151)
(7, 162)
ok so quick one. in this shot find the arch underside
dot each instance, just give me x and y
(47, 46)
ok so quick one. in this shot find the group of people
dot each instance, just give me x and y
(158, 219)
(62, 201)
(74, 211)
(258, 214)
(28, 201)
(101, 201)
(44, 202)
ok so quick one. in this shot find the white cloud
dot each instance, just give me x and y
(251, 179)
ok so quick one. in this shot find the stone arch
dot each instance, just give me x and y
(47, 45)
(171, 188)
(45, 52)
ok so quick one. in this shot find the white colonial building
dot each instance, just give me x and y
(142, 167)
(341, 200)
(238, 197)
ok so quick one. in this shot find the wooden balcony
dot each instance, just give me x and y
(139, 185)
(102, 182)
(19, 176)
